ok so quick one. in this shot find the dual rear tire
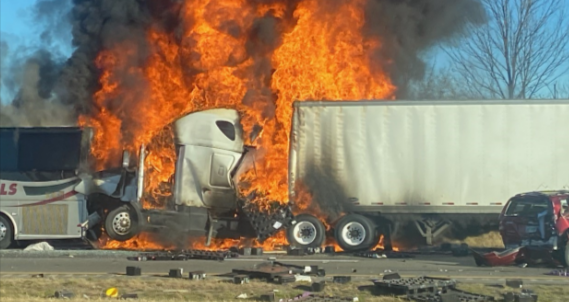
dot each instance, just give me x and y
(356, 232)
(353, 232)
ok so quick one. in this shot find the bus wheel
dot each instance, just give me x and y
(6, 233)
(307, 231)
(355, 232)
(121, 224)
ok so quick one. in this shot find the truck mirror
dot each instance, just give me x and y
(125, 159)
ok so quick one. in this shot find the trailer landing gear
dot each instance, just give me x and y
(431, 229)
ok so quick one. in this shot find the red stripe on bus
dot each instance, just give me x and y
(48, 201)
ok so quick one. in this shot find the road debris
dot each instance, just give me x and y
(240, 279)
(63, 294)
(197, 275)
(560, 272)
(524, 255)
(412, 287)
(40, 246)
(133, 271)
(219, 255)
(129, 296)
(515, 283)
(318, 286)
(342, 279)
(309, 297)
(526, 295)
(268, 297)
(176, 273)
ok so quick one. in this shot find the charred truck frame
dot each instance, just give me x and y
(436, 166)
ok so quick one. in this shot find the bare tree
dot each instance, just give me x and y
(437, 84)
(522, 49)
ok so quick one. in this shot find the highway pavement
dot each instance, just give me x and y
(95, 262)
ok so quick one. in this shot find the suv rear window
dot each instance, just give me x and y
(527, 206)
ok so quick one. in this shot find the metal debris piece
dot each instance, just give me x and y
(197, 275)
(133, 271)
(176, 273)
(342, 279)
(561, 273)
(129, 296)
(282, 279)
(515, 283)
(414, 287)
(269, 270)
(64, 294)
(452, 295)
(392, 276)
(524, 296)
(240, 279)
(318, 286)
(268, 297)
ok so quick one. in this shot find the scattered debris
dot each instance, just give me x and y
(526, 295)
(240, 279)
(515, 283)
(302, 278)
(111, 292)
(453, 295)
(524, 256)
(268, 297)
(186, 255)
(561, 273)
(176, 273)
(269, 270)
(40, 246)
(38, 276)
(330, 249)
(318, 286)
(63, 294)
(392, 276)
(133, 271)
(282, 279)
(342, 279)
(197, 275)
(412, 287)
(242, 296)
(129, 296)
(316, 298)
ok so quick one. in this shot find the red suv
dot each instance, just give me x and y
(539, 219)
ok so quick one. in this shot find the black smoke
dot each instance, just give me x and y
(407, 29)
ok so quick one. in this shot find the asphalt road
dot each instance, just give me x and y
(82, 262)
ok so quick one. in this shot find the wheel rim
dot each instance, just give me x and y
(304, 232)
(121, 223)
(3, 231)
(353, 233)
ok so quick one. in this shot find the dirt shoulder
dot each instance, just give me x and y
(211, 289)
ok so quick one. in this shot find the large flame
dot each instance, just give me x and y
(312, 50)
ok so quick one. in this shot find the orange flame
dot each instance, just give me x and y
(318, 52)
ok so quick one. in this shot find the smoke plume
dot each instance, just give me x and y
(31, 69)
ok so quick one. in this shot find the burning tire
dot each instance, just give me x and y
(355, 232)
(307, 231)
(121, 223)
(6, 233)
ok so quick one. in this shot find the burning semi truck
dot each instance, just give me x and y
(384, 165)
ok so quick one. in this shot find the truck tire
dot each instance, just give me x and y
(121, 224)
(307, 231)
(6, 233)
(355, 232)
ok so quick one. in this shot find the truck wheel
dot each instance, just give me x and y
(307, 231)
(121, 223)
(6, 233)
(355, 232)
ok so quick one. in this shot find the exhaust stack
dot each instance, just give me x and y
(140, 174)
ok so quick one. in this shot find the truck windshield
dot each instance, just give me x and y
(527, 206)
